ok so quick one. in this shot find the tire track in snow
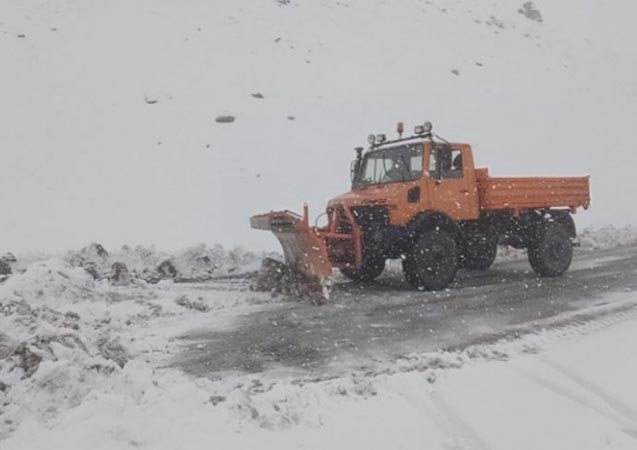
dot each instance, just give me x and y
(459, 431)
(573, 396)
(459, 425)
(606, 404)
(625, 410)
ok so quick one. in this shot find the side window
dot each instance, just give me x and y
(433, 164)
(450, 163)
(445, 163)
(415, 166)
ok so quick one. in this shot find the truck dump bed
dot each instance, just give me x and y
(532, 192)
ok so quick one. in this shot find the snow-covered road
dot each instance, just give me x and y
(366, 326)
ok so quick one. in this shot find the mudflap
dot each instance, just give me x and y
(304, 249)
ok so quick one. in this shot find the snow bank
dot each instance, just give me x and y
(196, 263)
(607, 237)
(201, 262)
(57, 340)
(49, 282)
(67, 339)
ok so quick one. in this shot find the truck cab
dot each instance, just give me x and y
(396, 188)
(412, 177)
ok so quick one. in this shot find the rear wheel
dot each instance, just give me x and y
(479, 250)
(552, 253)
(432, 262)
(369, 270)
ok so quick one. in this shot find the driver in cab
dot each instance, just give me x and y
(397, 172)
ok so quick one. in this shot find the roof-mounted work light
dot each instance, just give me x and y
(423, 129)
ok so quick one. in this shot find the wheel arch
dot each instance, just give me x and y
(557, 216)
(565, 219)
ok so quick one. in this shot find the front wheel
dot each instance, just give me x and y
(369, 270)
(432, 262)
(552, 253)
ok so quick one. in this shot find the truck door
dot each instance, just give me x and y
(452, 184)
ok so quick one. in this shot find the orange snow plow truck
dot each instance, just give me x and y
(421, 199)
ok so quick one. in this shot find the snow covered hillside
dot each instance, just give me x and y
(109, 109)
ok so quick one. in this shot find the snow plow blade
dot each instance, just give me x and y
(304, 249)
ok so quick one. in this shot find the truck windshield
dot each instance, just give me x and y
(391, 165)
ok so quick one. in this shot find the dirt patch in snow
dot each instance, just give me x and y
(197, 305)
(279, 279)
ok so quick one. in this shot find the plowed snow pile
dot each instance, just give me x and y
(57, 339)
(195, 263)
(66, 337)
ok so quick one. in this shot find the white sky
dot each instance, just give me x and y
(84, 158)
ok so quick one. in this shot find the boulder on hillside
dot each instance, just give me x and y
(120, 275)
(9, 257)
(93, 258)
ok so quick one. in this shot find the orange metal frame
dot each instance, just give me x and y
(330, 232)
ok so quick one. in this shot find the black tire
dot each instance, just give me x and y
(551, 254)
(432, 262)
(369, 271)
(479, 250)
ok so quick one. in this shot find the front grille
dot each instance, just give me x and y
(374, 223)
